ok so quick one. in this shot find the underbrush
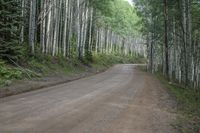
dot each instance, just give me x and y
(107, 60)
(53, 65)
(37, 66)
(43, 65)
(188, 106)
(7, 73)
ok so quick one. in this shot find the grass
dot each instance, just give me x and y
(7, 73)
(188, 107)
(105, 61)
(53, 65)
(37, 67)
(44, 65)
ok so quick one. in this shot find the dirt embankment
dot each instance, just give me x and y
(21, 86)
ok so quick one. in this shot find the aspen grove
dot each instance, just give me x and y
(172, 33)
(154, 45)
(75, 29)
(166, 32)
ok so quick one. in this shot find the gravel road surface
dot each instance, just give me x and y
(121, 100)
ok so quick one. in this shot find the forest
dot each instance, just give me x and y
(167, 35)
(172, 37)
(52, 37)
(172, 32)
(73, 30)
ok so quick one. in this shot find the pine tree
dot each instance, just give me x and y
(10, 29)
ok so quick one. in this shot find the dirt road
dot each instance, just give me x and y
(120, 100)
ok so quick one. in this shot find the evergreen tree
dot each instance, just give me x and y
(10, 29)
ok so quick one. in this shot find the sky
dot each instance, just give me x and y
(130, 2)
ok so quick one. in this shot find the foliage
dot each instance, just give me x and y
(102, 6)
(122, 18)
(172, 38)
(88, 57)
(7, 73)
(9, 32)
(107, 60)
(113, 20)
(188, 105)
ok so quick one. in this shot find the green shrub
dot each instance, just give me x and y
(106, 60)
(7, 73)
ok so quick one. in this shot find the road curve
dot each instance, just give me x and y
(121, 100)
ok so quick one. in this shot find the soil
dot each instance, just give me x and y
(22, 86)
(123, 99)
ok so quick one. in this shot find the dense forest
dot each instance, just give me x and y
(172, 33)
(35, 34)
(168, 34)
(73, 29)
